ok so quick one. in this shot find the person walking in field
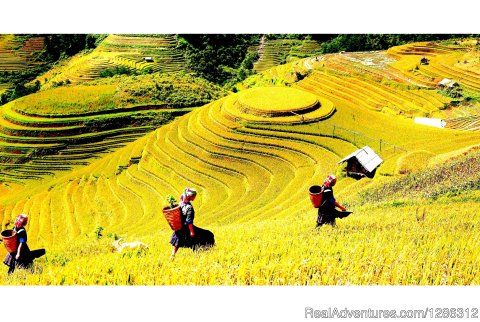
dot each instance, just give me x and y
(327, 212)
(23, 257)
(190, 236)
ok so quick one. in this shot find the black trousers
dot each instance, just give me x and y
(329, 216)
(24, 261)
(325, 218)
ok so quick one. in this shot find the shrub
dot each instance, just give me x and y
(117, 70)
(98, 232)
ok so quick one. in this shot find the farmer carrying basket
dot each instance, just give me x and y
(326, 203)
(19, 254)
(189, 235)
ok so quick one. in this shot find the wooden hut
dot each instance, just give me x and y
(362, 163)
(446, 84)
(451, 87)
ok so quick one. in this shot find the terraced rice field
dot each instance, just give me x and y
(444, 61)
(3, 88)
(119, 51)
(215, 152)
(17, 53)
(72, 125)
(34, 145)
(391, 81)
(252, 156)
(246, 176)
(206, 149)
(279, 51)
(277, 105)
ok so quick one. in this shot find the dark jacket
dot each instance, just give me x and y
(188, 213)
(25, 259)
(327, 212)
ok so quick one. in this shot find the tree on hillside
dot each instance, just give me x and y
(216, 57)
(366, 42)
(57, 46)
(64, 45)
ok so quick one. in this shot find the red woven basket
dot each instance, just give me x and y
(315, 193)
(174, 217)
(10, 240)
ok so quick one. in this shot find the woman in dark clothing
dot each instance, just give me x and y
(23, 257)
(327, 212)
(190, 236)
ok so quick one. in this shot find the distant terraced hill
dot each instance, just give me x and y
(392, 81)
(18, 53)
(276, 52)
(138, 54)
(445, 61)
(60, 128)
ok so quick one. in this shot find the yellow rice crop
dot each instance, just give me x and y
(271, 99)
(376, 246)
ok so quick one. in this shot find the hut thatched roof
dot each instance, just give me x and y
(366, 157)
(446, 82)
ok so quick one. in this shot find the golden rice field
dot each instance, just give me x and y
(362, 250)
(18, 53)
(116, 51)
(60, 128)
(279, 100)
(274, 52)
(252, 162)
(84, 100)
(119, 92)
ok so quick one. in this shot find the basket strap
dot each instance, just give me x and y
(321, 192)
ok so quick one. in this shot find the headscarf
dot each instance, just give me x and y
(330, 181)
(187, 195)
(21, 220)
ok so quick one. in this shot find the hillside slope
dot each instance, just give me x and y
(19, 53)
(118, 54)
(246, 177)
(60, 128)
(20, 57)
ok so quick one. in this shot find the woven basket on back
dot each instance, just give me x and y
(174, 217)
(10, 240)
(315, 193)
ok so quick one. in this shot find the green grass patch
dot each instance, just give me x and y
(170, 90)
(455, 177)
